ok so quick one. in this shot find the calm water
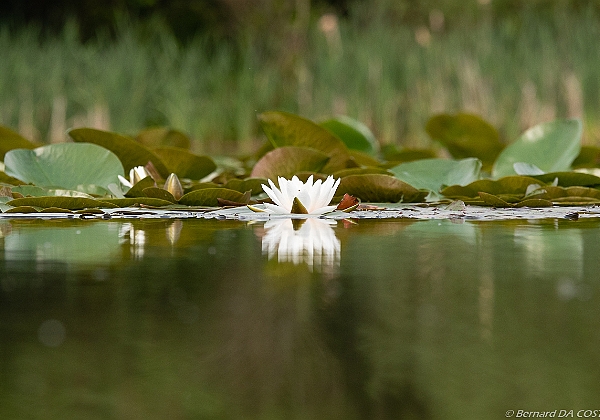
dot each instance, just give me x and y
(373, 319)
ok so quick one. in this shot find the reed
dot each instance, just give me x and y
(391, 77)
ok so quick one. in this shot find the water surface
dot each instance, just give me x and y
(367, 319)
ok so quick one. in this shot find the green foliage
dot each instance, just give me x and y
(67, 165)
(130, 152)
(9, 140)
(551, 146)
(466, 135)
(285, 129)
(433, 174)
(287, 161)
(379, 188)
(353, 133)
(184, 163)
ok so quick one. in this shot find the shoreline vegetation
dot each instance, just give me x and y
(392, 77)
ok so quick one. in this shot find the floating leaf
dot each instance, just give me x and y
(138, 188)
(432, 174)
(568, 179)
(379, 189)
(10, 140)
(354, 134)
(589, 157)
(361, 171)
(5, 179)
(208, 197)
(363, 159)
(288, 161)
(534, 202)
(249, 184)
(466, 135)
(524, 168)
(284, 129)
(159, 193)
(507, 185)
(163, 136)
(73, 166)
(137, 201)
(130, 152)
(184, 163)
(70, 203)
(391, 153)
(493, 200)
(22, 209)
(551, 146)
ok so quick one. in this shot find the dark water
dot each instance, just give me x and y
(378, 319)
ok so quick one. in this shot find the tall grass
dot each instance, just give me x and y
(391, 77)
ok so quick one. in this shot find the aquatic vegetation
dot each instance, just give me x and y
(303, 168)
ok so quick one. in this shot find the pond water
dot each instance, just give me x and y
(340, 319)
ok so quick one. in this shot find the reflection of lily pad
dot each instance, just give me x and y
(379, 188)
(288, 161)
(73, 166)
(284, 129)
(130, 152)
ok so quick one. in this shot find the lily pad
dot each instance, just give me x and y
(137, 201)
(361, 171)
(159, 193)
(72, 166)
(589, 157)
(249, 184)
(466, 135)
(10, 140)
(287, 161)
(70, 203)
(284, 129)
(569, 179)
(130, 152)
(184, 163)
(507, 185)
(163, 136)
(138, 188)
(433, 174)
(354, 134)
(391, 153)
(379, 189)
(551, 146)
(209, 197)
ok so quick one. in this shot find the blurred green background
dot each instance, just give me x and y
(207, 67)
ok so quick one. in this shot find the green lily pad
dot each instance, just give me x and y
(70, 203)
(551, 146)
(22, 209)
(284, 129)
(72, 166)
(433, 174)
(354, 134)
(137, 201)
(208, 197)
(568, 179)
(10, 140)
(163, 136)
(287, 161)
(184, 163)
(363, 159)
(377, 188)
(391, 153)
(534, 202)
(493, 200)
(589, 157)
(138, 188)
(155, 192)
(249, 184)
(466, 135)
(361, 171)
(130, 152)
(508, 185)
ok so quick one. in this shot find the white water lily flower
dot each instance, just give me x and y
(296, 197)
(135, 175)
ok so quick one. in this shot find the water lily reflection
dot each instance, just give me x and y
(311, 241)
